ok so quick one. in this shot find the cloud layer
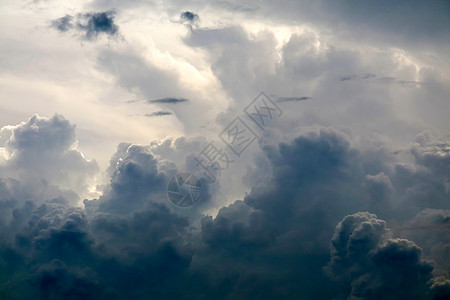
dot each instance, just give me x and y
(131, 242)
(344, 196)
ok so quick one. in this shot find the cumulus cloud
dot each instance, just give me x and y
(130, 242)
(429, 229)
(362, 169)
(373, 265)
(46, 149)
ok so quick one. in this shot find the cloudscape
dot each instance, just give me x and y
(225, 150)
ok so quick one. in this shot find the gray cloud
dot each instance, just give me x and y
(45, 149)
(95, 23)
(63, 24)
(159, 114)
(168, 100)
(189, 17)
(353, 77)
(293, 99)
(89, 25)
(271, 244)
(336, 169)
(366, 261)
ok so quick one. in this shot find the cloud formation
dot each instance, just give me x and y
(45, 149)
(131, 242)
(189, 17)
(168, 100)
(159, 114)
(89, 25)
(343, 197)
(293, 99)
(366, 260)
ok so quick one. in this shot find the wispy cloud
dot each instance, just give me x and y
(168, 100)
(158, 114)
(354, 77)
(293, 99)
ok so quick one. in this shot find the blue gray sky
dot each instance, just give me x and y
(345, 194)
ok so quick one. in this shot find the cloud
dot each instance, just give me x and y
(46, 149)
(293, 99)
(95, 23)
(353, 77)
(168, 100)
(429, 229)
(130, 242)
(372, 265)
(354, 157)
(135, 177)
(159, 114)
(89, 25)
(63, 24)
(189, 17)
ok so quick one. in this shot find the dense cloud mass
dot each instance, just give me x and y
(272, 244)
(343, 194)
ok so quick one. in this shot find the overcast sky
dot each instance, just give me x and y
(343, 192)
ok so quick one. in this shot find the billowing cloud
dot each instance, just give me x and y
(46, 149)
(372, 265)
(131, 242)
(342, 197)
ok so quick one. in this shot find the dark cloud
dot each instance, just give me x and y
(89, 25)
(273, 244)
(292, 99)
(96, 23)
(366, 261)
(353, 77)
(168, 100)
(430, 229)
(135, 177)
(385, 79)
(413, 24)
(159, 114)
(189, 17)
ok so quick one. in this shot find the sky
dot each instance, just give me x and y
(312, 138)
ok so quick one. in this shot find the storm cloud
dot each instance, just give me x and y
(343, 195)
(131, 242)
